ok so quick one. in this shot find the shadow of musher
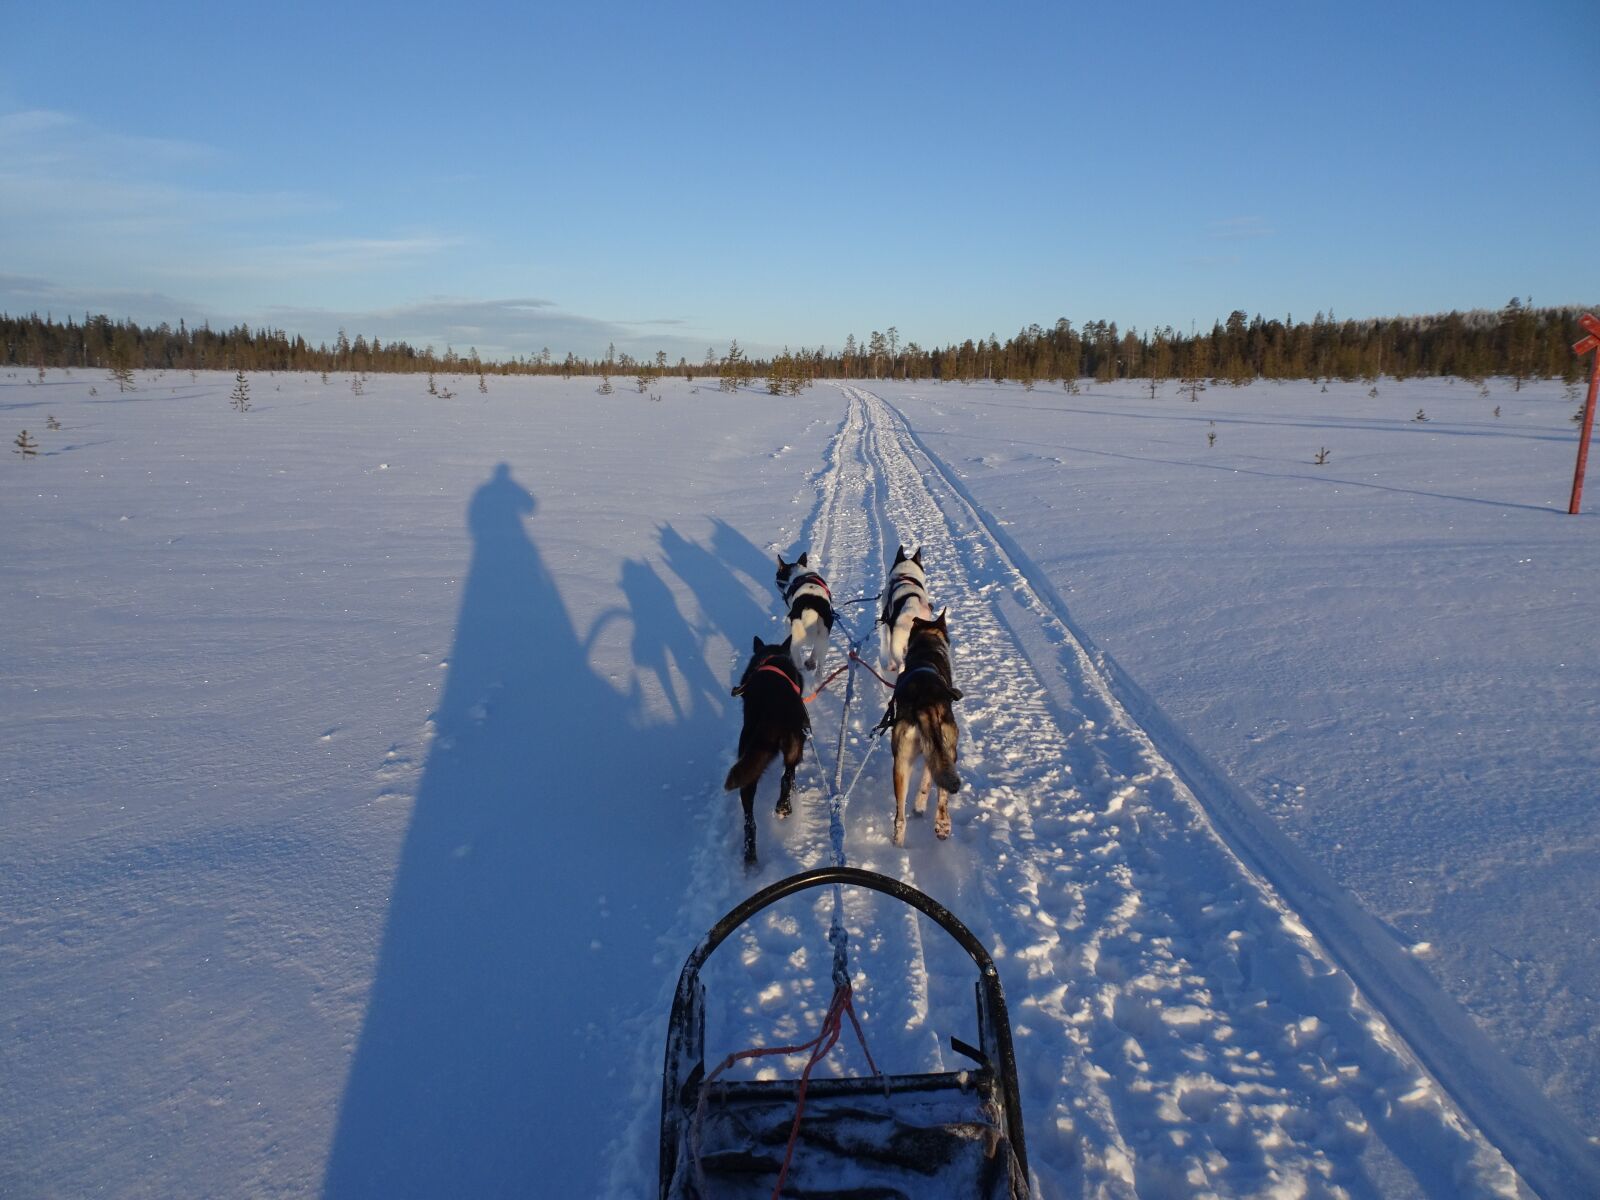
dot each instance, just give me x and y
(538, 828)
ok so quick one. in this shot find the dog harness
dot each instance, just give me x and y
(898, 599)
(810, 584)
(904, 675)
(776, 670)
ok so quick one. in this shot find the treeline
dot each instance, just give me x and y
(1518, 341)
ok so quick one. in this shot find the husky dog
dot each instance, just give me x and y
(904, 599)
(775, 722)
(810, 611)
(923, 725)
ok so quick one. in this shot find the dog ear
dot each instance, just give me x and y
(801, 561)
(917, 557)
(781, 563)
(955, 694)
(939, 620)
(758, 647)
(899, 555)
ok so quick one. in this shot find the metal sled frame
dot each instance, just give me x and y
(993, 1082)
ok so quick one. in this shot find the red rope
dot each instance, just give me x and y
(840, 671)
(870, 671)
(827, 1038)
(789, 679)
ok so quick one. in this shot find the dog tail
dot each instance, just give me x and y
(938, 728)
(749, 768)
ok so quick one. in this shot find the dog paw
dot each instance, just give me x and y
(941, 830)
(899, 838)
(784, 809)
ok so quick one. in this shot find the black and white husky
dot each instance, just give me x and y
(810, 611)
(904, 599)
(775, 723)
(923, 725)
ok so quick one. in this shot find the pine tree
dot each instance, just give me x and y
(121, 372)
(1159, 360)
(734, 368)
(1194, 372)
(51, 423)
(483, 384)
(25, 446)
(240, 398)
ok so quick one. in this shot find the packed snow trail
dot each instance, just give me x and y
(1179, 1029)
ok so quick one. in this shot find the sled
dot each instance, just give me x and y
(877, 1137)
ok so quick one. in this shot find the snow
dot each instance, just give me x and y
(360, 764)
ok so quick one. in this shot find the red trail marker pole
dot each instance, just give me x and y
(1590, 341)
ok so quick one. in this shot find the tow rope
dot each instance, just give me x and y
(838, 937)
(827, 1038)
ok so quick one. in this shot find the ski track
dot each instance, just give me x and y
(1179, 1030)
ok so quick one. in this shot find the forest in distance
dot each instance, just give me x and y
(1517, 342)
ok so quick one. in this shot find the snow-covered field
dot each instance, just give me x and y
(361, 763)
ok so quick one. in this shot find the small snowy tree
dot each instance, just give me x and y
(736, 368)
(121, 372)
(50, 422)
(240, 397)
(1321, 456)
(25, 446)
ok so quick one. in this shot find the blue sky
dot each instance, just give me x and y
(513, 176)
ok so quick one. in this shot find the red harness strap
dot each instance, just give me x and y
(797, 584)
(776, 670)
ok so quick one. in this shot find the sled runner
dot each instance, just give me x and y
(879, 1137)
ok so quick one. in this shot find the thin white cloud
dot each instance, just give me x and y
(37, 137)
(21, 294)
(1229, 229)
(333, 256)
(502, 328)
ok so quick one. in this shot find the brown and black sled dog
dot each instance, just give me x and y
(775, 723)
(923, 725)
